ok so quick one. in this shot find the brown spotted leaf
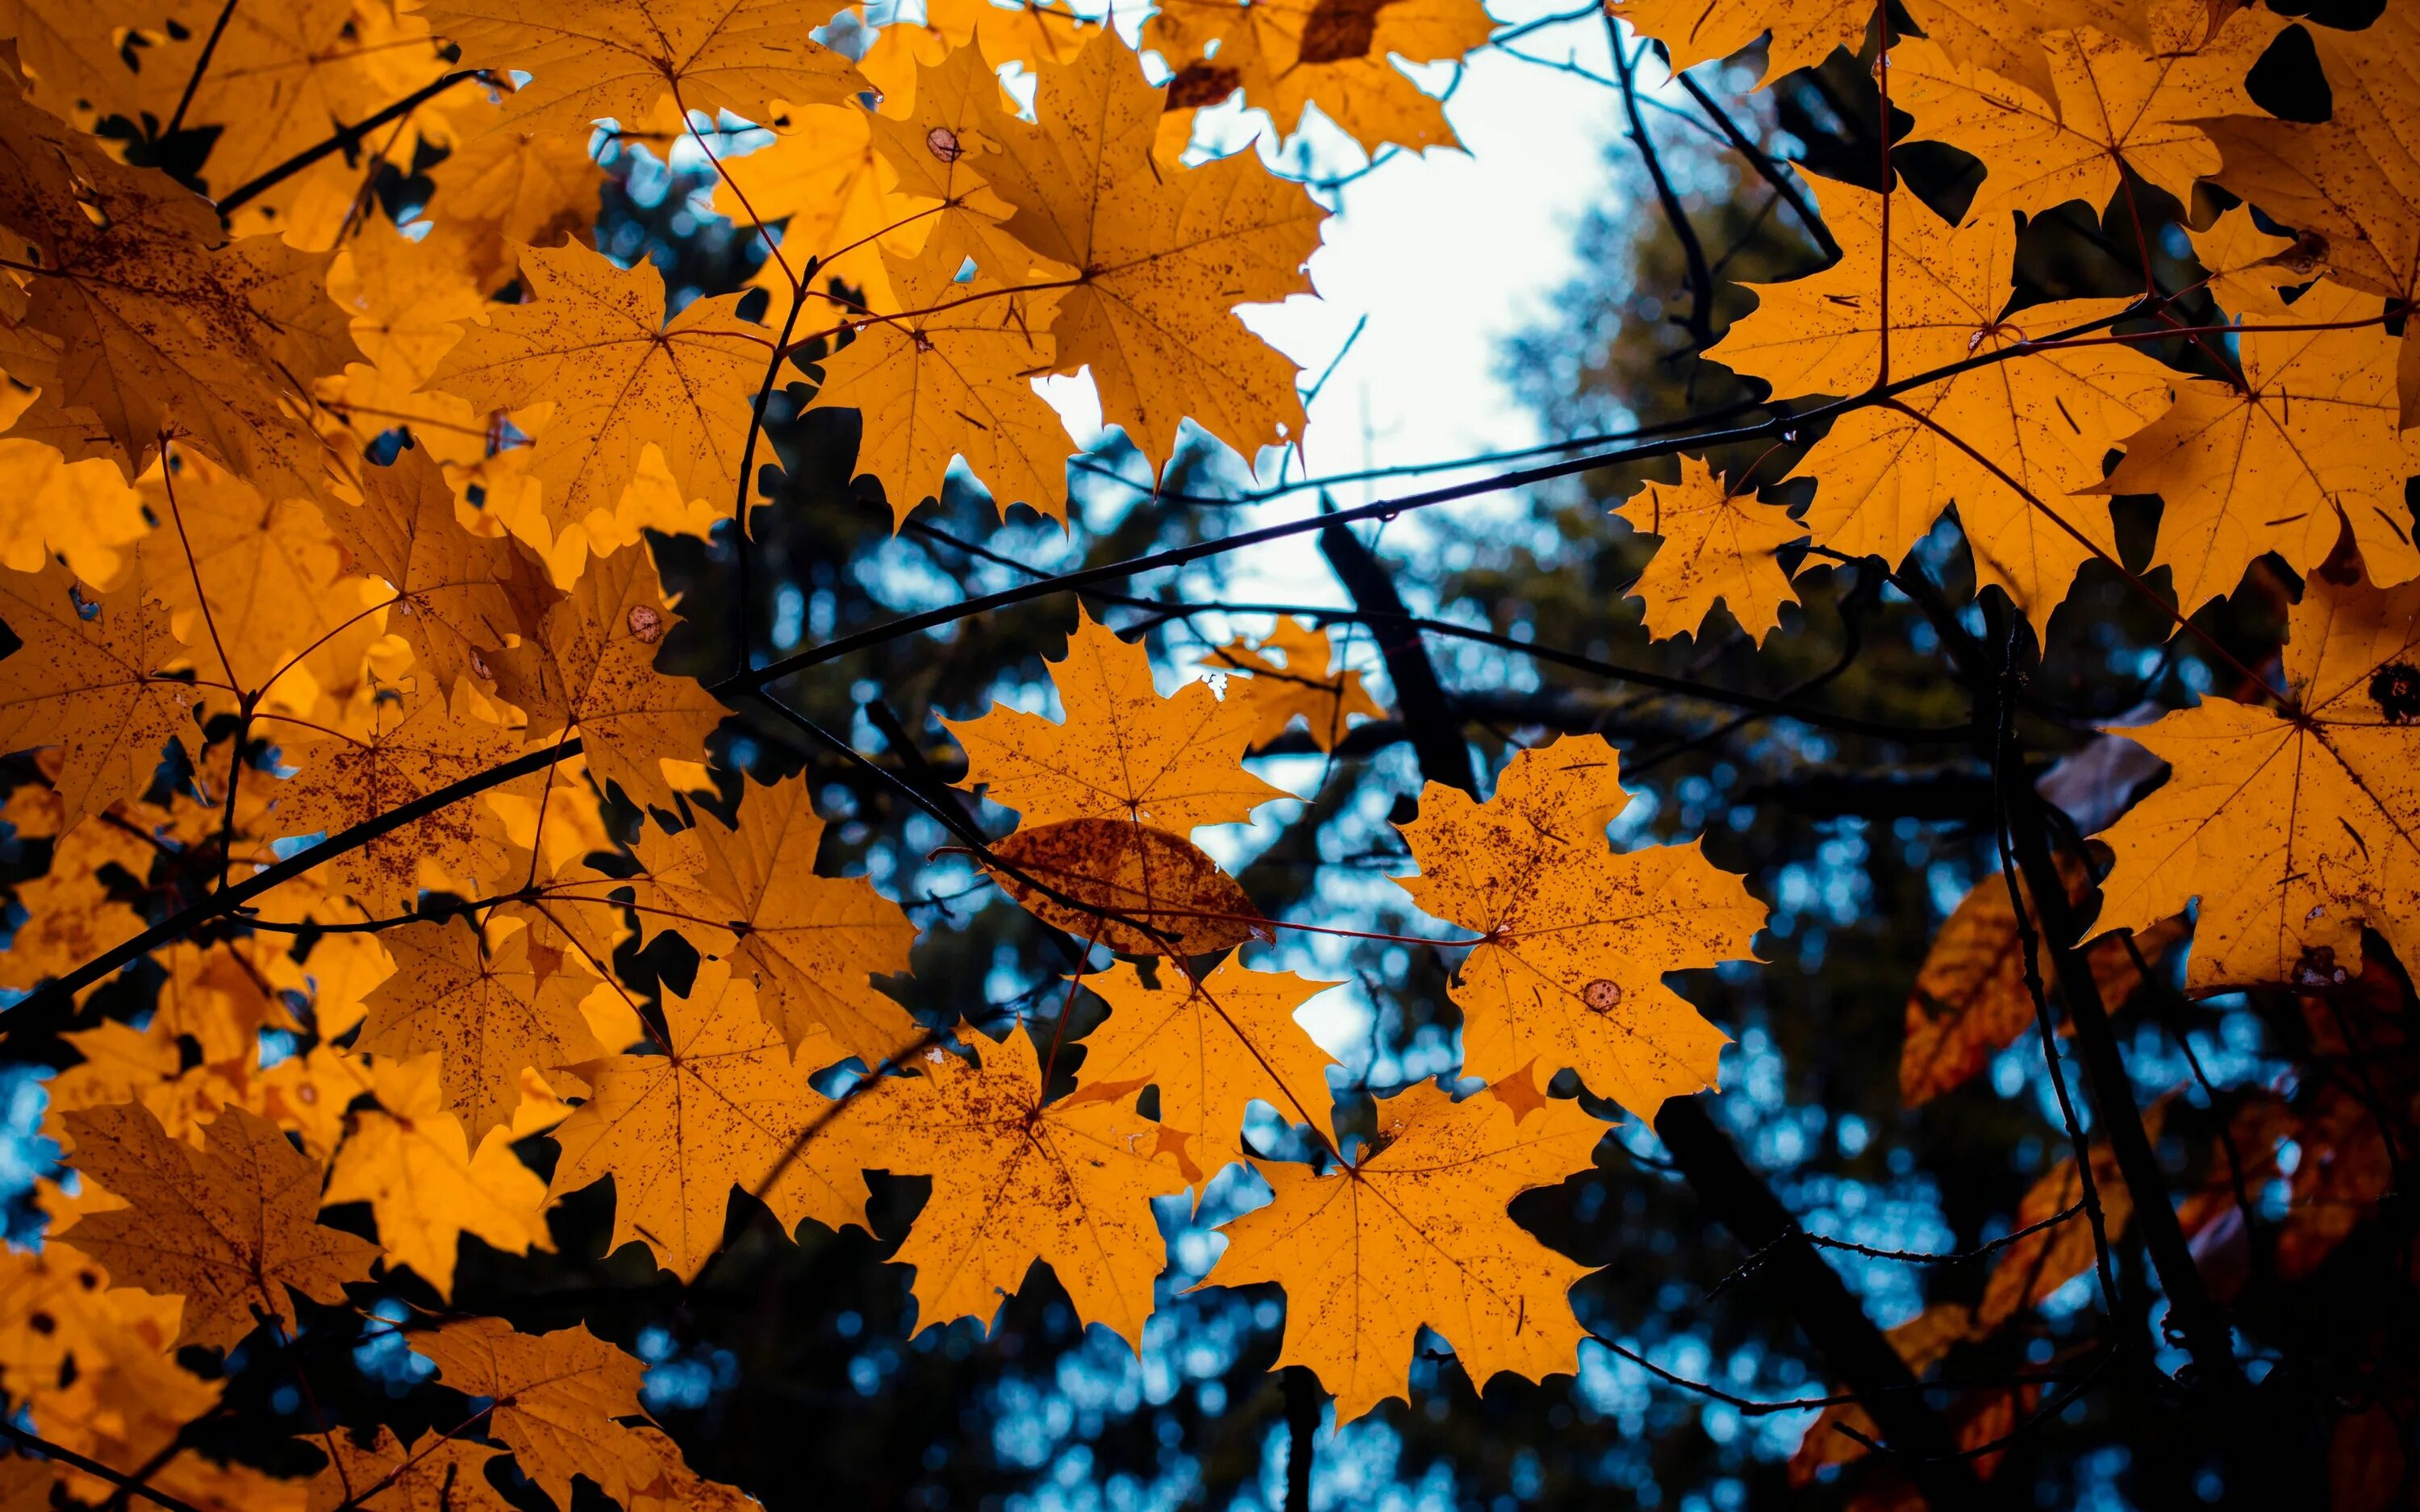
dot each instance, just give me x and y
(1135, 889)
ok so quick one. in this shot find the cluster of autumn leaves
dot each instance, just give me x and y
(211, 544)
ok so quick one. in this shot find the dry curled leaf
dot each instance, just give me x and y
(1135, 889)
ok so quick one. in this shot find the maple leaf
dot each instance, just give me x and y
(456, 595)
(809, 945)
(1970, 1000)
(2294, 829)
(279, 78)
(594, 345)
(439, 1475)
(1149, 242)
(228, 1227)
(256, 584)
(140, 323)
(85, 684)
(2045, 422)
(952, 378)
(592, 667)
(2354, 178)
(1415, 1234)
(1135, 889)
(556, 1397)
(728, 1105)
(821, 186)
(2248, 269)
(1576, 938)
(1018, 1179)
(1123, 752)
(412, 749)
(487, 1012)
(1212, 1045)
(73, 56)
(2006, 38)
(2119, 106)
(82, 511)
(681, 1489)
(935, 147)
(1301, 680)
(592, 60)
(2305, 447)
(1716, 548)
(411, 1161)
(1334, 54)
(1028, 32)
(520, 190)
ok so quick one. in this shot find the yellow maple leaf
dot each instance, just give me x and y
(255, 583)
(809, 945)
(2249, 269)
(2354, 178)
(616, 378)
(1150, 244)
(456, 595)
(411, 1161)
(517, 189)
(1300, 681)
(2119, 106)
(2305, 447)
(439, 1474)
(82, 510)
(487, 1014)
(1026, 33)
(1125, 752)
(592, 60)
(728, 1105)
(74, 56)
(85, 685)
(1336, 55)
(1018, 1179)
(2006, 38)
(1576, 938)
(939, 207)
(951, 378)
(1413, 1234)
(279, 75)
(2043, 423)
(592, 667)
(1716, 548)
(822, 186)
(228, 1227)
(1212, 1045)
(2294, 829)
(149, 329)
(411, 747)
(556, 1398)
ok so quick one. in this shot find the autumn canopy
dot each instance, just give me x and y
(435, 860)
